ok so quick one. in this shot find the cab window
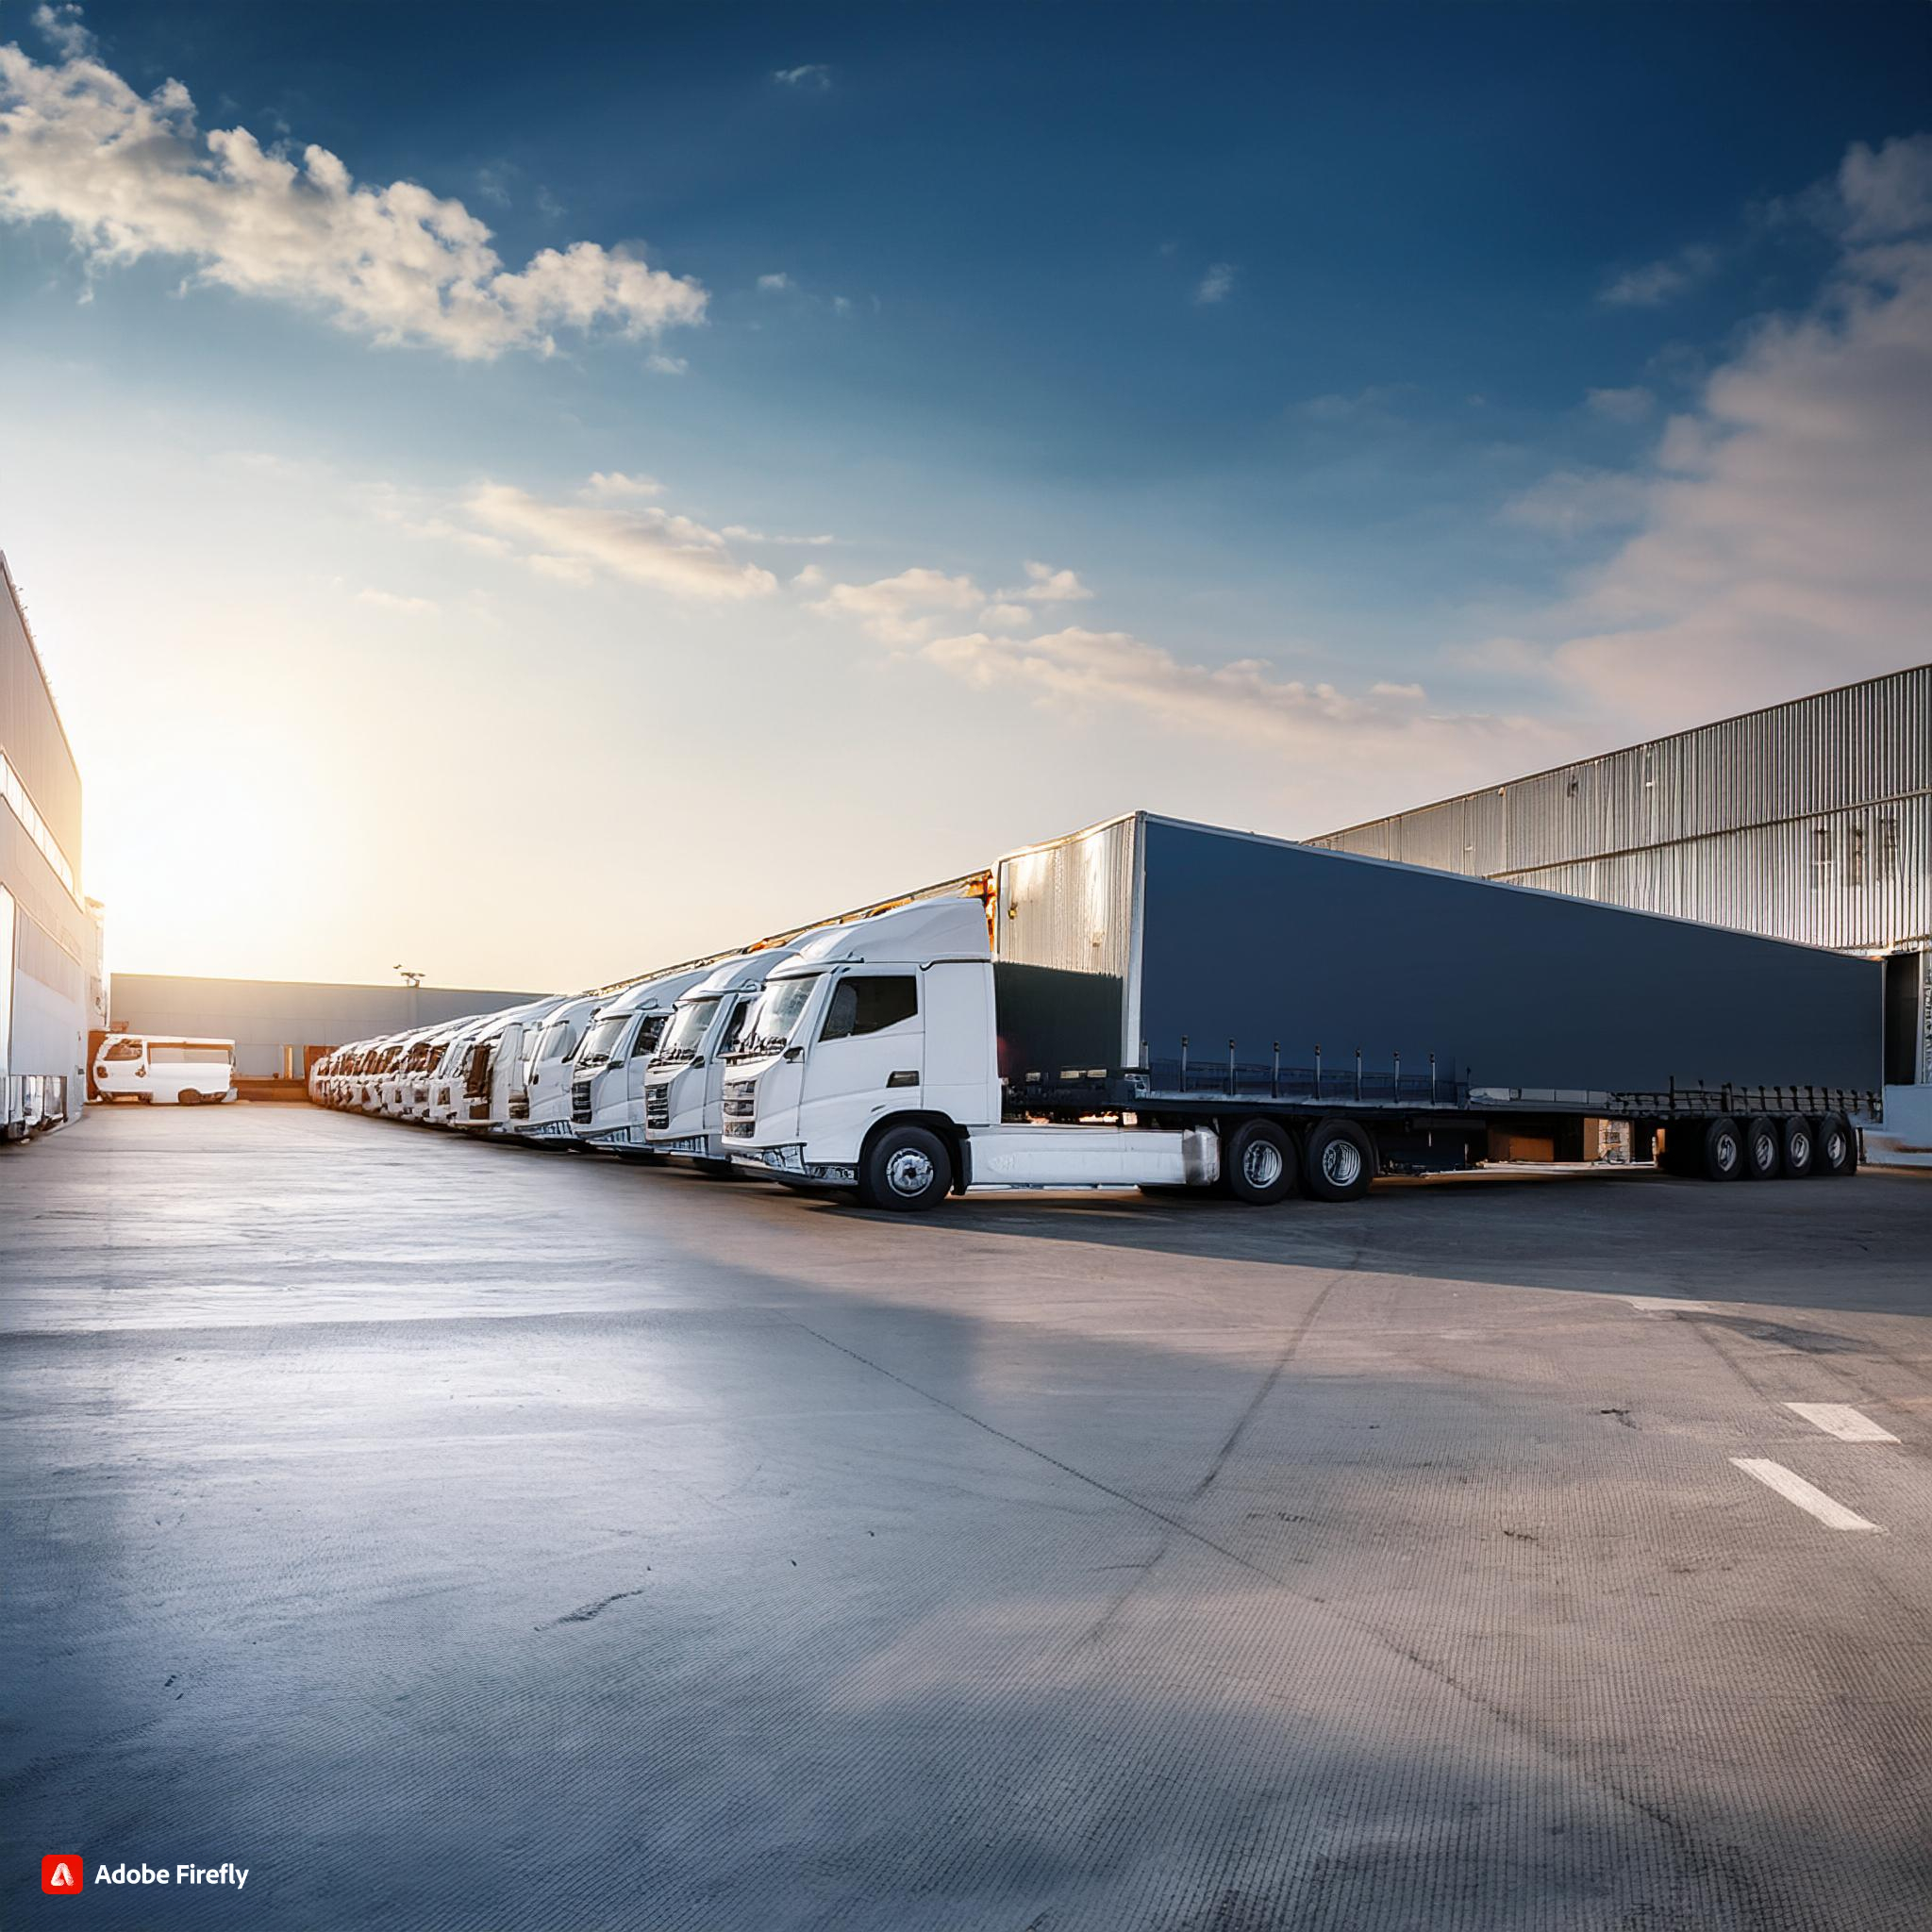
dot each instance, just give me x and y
(869, 1005)
(650, 1031)
(124, 1050)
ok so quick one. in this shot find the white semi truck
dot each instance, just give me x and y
(607, 1081)
(1172, 1005)
(547, 1074)
(684, 1085)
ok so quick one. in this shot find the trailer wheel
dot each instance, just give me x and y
(1799, 1148)
(1259, 1164)
(1722, 1150)
(908, 1169)
(1761, 1151)
(1339, 1164)
(1835, 1147)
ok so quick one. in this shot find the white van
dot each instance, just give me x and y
(155, 1066)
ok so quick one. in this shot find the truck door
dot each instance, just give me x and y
(650, 1031)
(868, 1056)
(730, 1036)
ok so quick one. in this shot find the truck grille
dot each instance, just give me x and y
(657, 1107)
(580, 1101)
(740, 1108)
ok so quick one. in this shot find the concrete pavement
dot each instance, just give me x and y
(466, 1536)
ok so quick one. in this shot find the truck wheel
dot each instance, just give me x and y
(188, 1097)
(1835, 1147)
(1340, 1162)
(1761, 1150)
(1260, 1163)
(1722, 1150)
(717, 1170)
(908, 1169)
(1799, 1148)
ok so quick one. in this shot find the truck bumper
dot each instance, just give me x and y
(790, 1162)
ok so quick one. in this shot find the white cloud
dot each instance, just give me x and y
(1621, 405)
(1782, 541)
(814, 74)
(1656, 282)
(132, 176)
(1046, 585)
(1887, 192)
(1370, 403)
(1005, 616)
(644, 545)
(1217, 285)
(65, 31)
(1244, 701)
(746, 536)
(904, 609)
(389, 600)
(773, 285)
(1569, 503)
(661, 364)
(616, 483)
(808, 579)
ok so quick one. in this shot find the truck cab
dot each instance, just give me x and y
(549, 1071)
(684, 1086)
(496, 1093)
(447, 1083)
(887, 1019)
(607, 1084)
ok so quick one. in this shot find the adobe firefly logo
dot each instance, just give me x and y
(62, 1873)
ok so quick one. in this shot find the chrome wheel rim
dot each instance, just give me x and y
(1801, 1149)
(1341, 1164)
(1261, 1164)
(1725, 1150)
(909, 1171)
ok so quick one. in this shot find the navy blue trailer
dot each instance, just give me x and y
(1188, 974)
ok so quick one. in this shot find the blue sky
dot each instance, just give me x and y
(1276, 415)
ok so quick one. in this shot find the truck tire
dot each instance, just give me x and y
(188, 1097)
(1835, 1147)
(1339, 1162)
(1722, 1149)
(908, 1169)
(1259, 1164)
(1763, 1152)
(1799, 1148)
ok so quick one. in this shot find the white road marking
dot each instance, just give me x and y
(1794, 1488)
(1847, 1425)
(1643, 1303)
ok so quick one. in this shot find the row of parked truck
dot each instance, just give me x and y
(1149, 1002)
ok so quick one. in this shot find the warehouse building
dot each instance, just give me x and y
(280, 1026)
(1809, 820)
(51, 988)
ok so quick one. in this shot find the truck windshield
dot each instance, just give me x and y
(600, 1043)
(777, 1013)
(559, 1041)
(686, 1033)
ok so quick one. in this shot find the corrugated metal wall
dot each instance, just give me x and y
(1810, 820)
(1070, 904)
(30, 729)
